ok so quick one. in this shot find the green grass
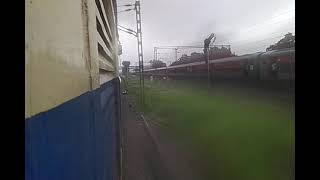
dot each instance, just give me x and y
(235, 136)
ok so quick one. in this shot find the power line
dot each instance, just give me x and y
(129, 32)
(245, 40)
(258, 41)
(252, 47)
(126, 10)
(127, 29)
(285, 12)
(247, 46)
(228, 39)
(256, 47)
(262, 26)
(126, 5)
(259, 24)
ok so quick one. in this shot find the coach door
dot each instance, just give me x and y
(275, 68)
(246, 68)
(253, 68)
(264, 70)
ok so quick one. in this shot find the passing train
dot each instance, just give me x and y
(271, 66)
(72, 99)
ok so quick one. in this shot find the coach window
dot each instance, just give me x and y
(251, 67)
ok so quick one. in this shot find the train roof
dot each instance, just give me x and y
(235, 58)
(286, 51)
(176, 66)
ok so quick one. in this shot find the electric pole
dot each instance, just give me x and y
(206, 51)
(176, 53)
(140, 51)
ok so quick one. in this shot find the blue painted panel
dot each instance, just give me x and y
(76, 140)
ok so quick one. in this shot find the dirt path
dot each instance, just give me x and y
(140, 157)
(177, 157)
(147, 152)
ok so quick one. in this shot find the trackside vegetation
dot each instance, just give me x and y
(235, 135)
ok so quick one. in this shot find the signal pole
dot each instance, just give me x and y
(155, 53)
(206, 51)
(176, 54)
(140, 51)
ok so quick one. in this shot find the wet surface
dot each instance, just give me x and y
(148, 152)
(140, 156)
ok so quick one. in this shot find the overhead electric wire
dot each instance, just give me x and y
(129, 32)
(126, 10)
(258, 41)
(266, 25)
(281, 31)
(236, 43)
(243, 48)
(254, 49)
(126, 5)
(278, 35)
(271, 19)
(258, 26)
(127, 29)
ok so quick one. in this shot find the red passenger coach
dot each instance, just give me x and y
(276, 65)
(229, 68)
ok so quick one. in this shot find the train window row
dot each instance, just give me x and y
(105, 32)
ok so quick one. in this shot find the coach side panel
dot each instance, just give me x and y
(71, 90)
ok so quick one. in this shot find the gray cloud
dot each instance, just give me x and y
(247, 25)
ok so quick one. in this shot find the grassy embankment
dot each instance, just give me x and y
(237, 136)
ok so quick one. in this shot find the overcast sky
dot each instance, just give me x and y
(247, 25)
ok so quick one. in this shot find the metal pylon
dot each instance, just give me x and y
(140, 51)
